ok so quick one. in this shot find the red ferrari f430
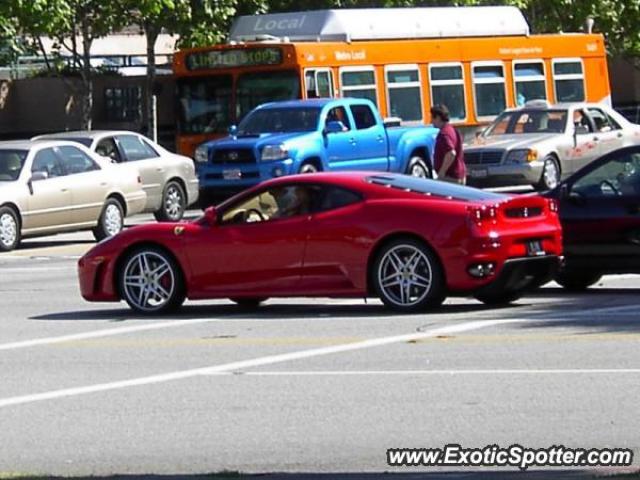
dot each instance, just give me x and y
(409, 241)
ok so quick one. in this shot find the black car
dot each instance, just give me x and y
(600, 215)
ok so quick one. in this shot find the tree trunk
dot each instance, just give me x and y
(151, 33)
(87, 80)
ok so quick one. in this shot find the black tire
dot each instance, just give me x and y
(248, 303)
(308, 167)
(417, 167)
(499, 299)
(174, 203)
(172, 281)
(550, 177)
(577, 281)
(10, 235)
(429, 294)
(111, 221)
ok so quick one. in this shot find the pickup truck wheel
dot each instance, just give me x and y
(308, 168)
(550, 174)
(418, 167)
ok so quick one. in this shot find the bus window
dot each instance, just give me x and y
(529, 81)
(359, 82)
(403, 92)
(447, 88)
(257, 88)
(318, 83)
(568, 78)
(489, 88)
(204, 104)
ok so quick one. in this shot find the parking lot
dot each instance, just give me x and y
(93, 389)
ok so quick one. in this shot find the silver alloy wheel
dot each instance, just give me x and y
(112, 220)
(149, 281)
(308, 168)
(173, 202)
(8, 230)
(405, 275)
(550, 173)
(418, 170)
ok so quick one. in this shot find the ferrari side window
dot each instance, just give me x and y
(336, 197)
(276, 203)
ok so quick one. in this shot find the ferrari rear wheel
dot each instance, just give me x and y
(151, 281)
(577, 281)
(248, 303)
(408, 277)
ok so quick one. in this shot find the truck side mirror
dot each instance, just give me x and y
(334, 126)
(233, 130)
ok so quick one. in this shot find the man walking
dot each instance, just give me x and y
(448, 157)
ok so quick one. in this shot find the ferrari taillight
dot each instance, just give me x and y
(481, 213)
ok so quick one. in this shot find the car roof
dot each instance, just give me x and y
(29, 144)
(311, 102)
(93, 134)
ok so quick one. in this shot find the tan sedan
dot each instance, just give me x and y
(53, 186)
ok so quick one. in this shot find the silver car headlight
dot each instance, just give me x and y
(201, 155)
(523, 155)
(274, 152)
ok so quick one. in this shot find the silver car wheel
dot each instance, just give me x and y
(113, 220)
(308, 168)
(8, 230)
(173, 202)
(405, 275)
(418, 171)
(149, 281)
(551, 173)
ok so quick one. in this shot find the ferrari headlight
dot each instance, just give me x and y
(274, 152)
(201, 155)
(522, 155)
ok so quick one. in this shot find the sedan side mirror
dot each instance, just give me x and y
(211, 216)
(334, 126)
(39, 175)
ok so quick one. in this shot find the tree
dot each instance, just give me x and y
(197, 22)
(75, 24)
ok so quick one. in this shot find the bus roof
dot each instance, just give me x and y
(381, 24)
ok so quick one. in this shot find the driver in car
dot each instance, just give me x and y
(291, 201)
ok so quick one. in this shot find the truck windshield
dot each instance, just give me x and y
(528, 121)
(257, 88)
(204, 104)
(280, 120)
(11, 162)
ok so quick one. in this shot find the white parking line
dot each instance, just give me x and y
(514, 371)
(255, 362)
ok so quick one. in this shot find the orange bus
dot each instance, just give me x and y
(476, 60)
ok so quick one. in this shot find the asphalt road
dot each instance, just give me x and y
(316, 386)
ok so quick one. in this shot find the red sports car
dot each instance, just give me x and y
(407, 240)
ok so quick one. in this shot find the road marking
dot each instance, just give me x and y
(515, 371)
(107, 332)
(245, 364)
(36, 269)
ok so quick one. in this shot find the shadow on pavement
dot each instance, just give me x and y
(267, 311)
(31, 244)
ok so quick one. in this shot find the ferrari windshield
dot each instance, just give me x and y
(11, 162)
(280, 120)
(528, 121)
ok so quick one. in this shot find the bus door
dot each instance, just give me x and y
(318, 82)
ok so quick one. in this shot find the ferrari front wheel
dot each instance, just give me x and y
(407, 276)
(151, 281)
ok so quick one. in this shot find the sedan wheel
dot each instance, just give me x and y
(9, 230)
(111, 220)
(550, 174)
(173, 204)
(151, 281)
(408, 277)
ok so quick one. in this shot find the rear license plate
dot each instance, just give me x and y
(480, 173)
(534, 248)
(232, 174)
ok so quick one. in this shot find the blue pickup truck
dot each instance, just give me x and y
(306, 136)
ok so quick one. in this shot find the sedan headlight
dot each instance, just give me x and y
(274, 152)
(522, 155)
(201, 155)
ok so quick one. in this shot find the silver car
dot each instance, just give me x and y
(170, 180)
(54, 186)
(539, 144)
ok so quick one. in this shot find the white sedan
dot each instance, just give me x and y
(169, 180)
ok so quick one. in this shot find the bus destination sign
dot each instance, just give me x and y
(244, 57)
